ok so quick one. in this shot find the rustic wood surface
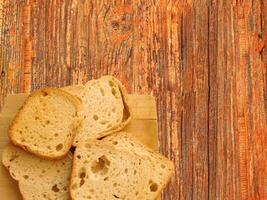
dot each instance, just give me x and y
(204, 61)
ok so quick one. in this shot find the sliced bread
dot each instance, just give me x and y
(47, 122)
(38, 178)
(162, 166)
(105, 108)
(118, 167)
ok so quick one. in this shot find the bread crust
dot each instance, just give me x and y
(76, 124)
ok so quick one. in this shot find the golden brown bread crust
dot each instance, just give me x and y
(73, 99)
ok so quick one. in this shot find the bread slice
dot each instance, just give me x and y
(162, 166)
(38, 178)
(118, 167)
(47, 122)
(105, 108)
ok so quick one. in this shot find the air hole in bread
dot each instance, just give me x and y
(82, 173)
(105, 179)
(78, 156)
(26, 177)
(100, 166)
(102, 91)
(36, 118)
(22, 140)
(48, 147)
(103, 122)
(136, 193)
(43, 171)
(114, 92)
(126, 170)
(56, 135)
(140, 162)
(45, 94)
(65, 188)
(13, 175)
(72, 149)
(115, 142)
(87, 145)
(134, 172)
(115, 184)
(162, 166)
(55, 188)
(82, 182)
(47, 122)
(153, 186)
(59, 147)
(115, 196)
(74, 186)
(111, 84)
(13, 157)
(113, 110)
(95, 117)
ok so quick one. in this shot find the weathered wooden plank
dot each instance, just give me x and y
(251, 107)
(213, 100)
(10, 54)
(226, 160)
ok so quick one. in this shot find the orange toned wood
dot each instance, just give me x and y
(204, 61)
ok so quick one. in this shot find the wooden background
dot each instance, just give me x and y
(204, 61)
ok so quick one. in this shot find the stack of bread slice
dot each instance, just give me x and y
(107, 163)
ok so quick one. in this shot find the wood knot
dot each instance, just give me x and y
(3, 74)
(115, 25)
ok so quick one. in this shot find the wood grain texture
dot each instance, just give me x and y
(204, 61)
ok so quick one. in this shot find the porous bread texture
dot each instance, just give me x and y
(118, 167)
(162, 166)
(38, 178)
(47, 122)
(106, 108)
